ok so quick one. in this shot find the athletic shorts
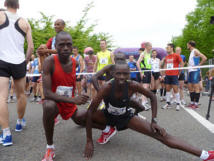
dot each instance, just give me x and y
(102, 78)
(147, 78)
(35, 79)
(194, 77)
(181, 77)
(156, 75)
(17, 71)
(121, 122)
(171, 79)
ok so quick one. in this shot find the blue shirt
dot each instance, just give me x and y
(132, 65)
(184, 60)
(35, 66)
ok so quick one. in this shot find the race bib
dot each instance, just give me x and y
(155, 67)
(116, 111)
(64, 91)
(103, 60)
(169, 66)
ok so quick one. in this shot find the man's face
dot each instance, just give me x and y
(119, 57)
(169, 49)
(149, 47)
(58, 26)
(75, 51)
(131, 58)
(154, 54)
(121, 74)
(178, 50)
(102, 45)
(64, 45)
(188, 46)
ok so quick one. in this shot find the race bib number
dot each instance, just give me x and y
(103, 60)
(169, 66)
(116, 111)
(64, 91)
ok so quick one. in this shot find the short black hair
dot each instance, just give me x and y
(171, 45)
(75, 47)
(12, 3)
(141, 49)
(62, 33)
(192, 43)
(154, 50)
(103, 40)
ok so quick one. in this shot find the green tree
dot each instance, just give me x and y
(42, 30)
(199, 29)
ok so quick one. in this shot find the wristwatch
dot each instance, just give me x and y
(155, 120)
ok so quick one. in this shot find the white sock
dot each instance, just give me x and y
(168, 96)
(106, 129)
(19, 121)
(6, 132)
(204, 155)
(196, 103)
(177, 98)
(50, 146)
(192, 102)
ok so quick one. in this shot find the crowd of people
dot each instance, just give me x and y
(60, 78)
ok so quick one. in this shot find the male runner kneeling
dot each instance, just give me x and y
(116, 94)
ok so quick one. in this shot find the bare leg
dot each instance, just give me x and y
(144, 127)
(21, 97)
(50, 111)
(4, 114)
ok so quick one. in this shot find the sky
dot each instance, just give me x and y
(130, 22)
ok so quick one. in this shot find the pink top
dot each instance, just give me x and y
(90, 62)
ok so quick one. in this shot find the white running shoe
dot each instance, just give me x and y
(178, 108)
(166, 106)
(183, 102)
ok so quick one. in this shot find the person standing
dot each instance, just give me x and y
(90, 60)
(13, 30)
(143, 64)
(194, 73)
(79, 68)
(59, 26)
(133, 68)
(172, 60)
(104, 58)
(181, 77)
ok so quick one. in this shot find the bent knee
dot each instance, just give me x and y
(50, 107)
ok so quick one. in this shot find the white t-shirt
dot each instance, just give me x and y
(155, 63)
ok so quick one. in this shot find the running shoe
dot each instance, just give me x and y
(105, 137)
(166, 106)
(38, 99)
(7, 141)
(178, 108)
(33, 99)
(183, 102)
(18, 127)
(49, 155)
(191, 105)
(196, 106)
(146, 106)
(211, 156)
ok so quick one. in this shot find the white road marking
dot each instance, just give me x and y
(200, 119)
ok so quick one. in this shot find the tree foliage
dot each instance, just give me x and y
(199, 29)
(83, 35)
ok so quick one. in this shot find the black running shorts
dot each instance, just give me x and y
(17, 71)
(120, 121)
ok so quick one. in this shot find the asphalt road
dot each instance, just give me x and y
(70, 139)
